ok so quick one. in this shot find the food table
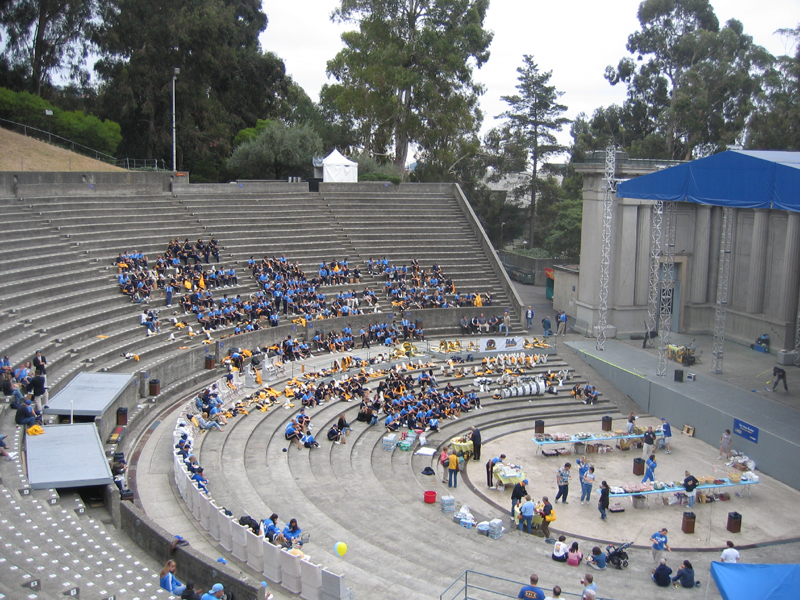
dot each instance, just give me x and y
(508, 474)
(544, 439)
(461, 444)
(726, 483)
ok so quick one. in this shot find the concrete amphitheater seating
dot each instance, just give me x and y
(58, 293)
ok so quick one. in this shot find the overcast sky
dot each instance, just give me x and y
(576, 40)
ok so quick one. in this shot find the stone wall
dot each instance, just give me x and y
(192, 564)
(29, 184)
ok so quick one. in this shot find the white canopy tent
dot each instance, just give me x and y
(336, 168)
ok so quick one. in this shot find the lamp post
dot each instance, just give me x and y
(502, 225)
(175, 74)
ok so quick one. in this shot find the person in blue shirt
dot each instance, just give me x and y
(489, 469)
(532, 592)
(666, 429)
(294, 433)
(650, 467)
(168, 580)
(597, 560)
(200, 479)
(684, 576)
(292, 533)
(526, 512)
(660, 543)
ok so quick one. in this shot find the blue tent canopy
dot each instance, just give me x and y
(736, 179)
(748, 581)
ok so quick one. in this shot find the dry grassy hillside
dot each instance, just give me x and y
(20, 153)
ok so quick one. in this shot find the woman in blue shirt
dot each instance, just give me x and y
(292, 533)
(597, 560)
(168, 580)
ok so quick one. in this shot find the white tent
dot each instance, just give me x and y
(336, 168)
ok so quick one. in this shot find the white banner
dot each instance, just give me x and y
(502, 344)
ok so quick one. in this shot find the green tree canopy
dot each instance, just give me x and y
(44, 36)
(691, 84)
(775, 123)
(226, 82)
(528, 138)
(405, 76)
(279, 151)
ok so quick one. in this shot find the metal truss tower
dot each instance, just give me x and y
(605, 252)
(723, 279)
(666, 286)
(655, 266)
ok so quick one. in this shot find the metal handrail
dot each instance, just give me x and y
(130, 164)
(463, 589)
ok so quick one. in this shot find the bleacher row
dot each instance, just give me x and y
(58, 291)
(326, 488)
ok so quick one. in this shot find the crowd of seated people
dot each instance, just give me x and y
(25, 386)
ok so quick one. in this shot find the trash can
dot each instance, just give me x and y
(639, 502)
(734, 522)
(679, 375)
(155, 387)
(122, 415)
(687, 524)
(606, 423)
(210, 362)
(579, 447)
(538, 426)
(638, 466)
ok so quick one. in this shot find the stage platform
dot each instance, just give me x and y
(764, 429)
(67, 456)
(89, 394)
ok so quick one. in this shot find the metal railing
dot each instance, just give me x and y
(472, 585)
(131, 164)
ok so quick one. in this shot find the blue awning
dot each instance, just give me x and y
(736, 179)
(749, 581)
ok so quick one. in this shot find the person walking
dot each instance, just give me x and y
(660, 543)
(475, 438)
(602, 505)
(725, 444)
(650, 468)
(562, 480)
(547, 327)
(778, 375)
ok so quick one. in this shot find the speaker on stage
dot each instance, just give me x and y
(679, 375)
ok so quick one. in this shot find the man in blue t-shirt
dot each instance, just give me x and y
(532, 591)
(666, 429)
(660, 542)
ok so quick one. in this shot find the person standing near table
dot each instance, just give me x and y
(452, 469)
(562, 480)
(666, 428)
(690, 484)
(648, 442)
(518, 493)
(475, 438)
(547, 510)
(650, 468)
(725, 444)
(490, 468)
(660, 543)
(602, 505)
(526, 512)
(562, 323)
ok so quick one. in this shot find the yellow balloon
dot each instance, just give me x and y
(340, 548)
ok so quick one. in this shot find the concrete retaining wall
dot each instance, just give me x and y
(30, 184)
(192, 564)
(528, 265)
(182, 188)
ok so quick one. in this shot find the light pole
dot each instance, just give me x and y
(175, 74)
(502, 224)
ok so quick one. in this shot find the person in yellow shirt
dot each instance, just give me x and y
(452, 468)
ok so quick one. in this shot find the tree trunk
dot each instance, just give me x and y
(38, 44)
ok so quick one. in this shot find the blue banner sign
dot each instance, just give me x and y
(745, 430)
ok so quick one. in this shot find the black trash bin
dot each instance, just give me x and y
(606, 422)
(538, 426)
(122, 415)
(155, 387)
(687, 524)
(679, 375)
(210, 362)
(638, 466)
(734, 522)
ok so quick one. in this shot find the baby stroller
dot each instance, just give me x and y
(616, 555)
